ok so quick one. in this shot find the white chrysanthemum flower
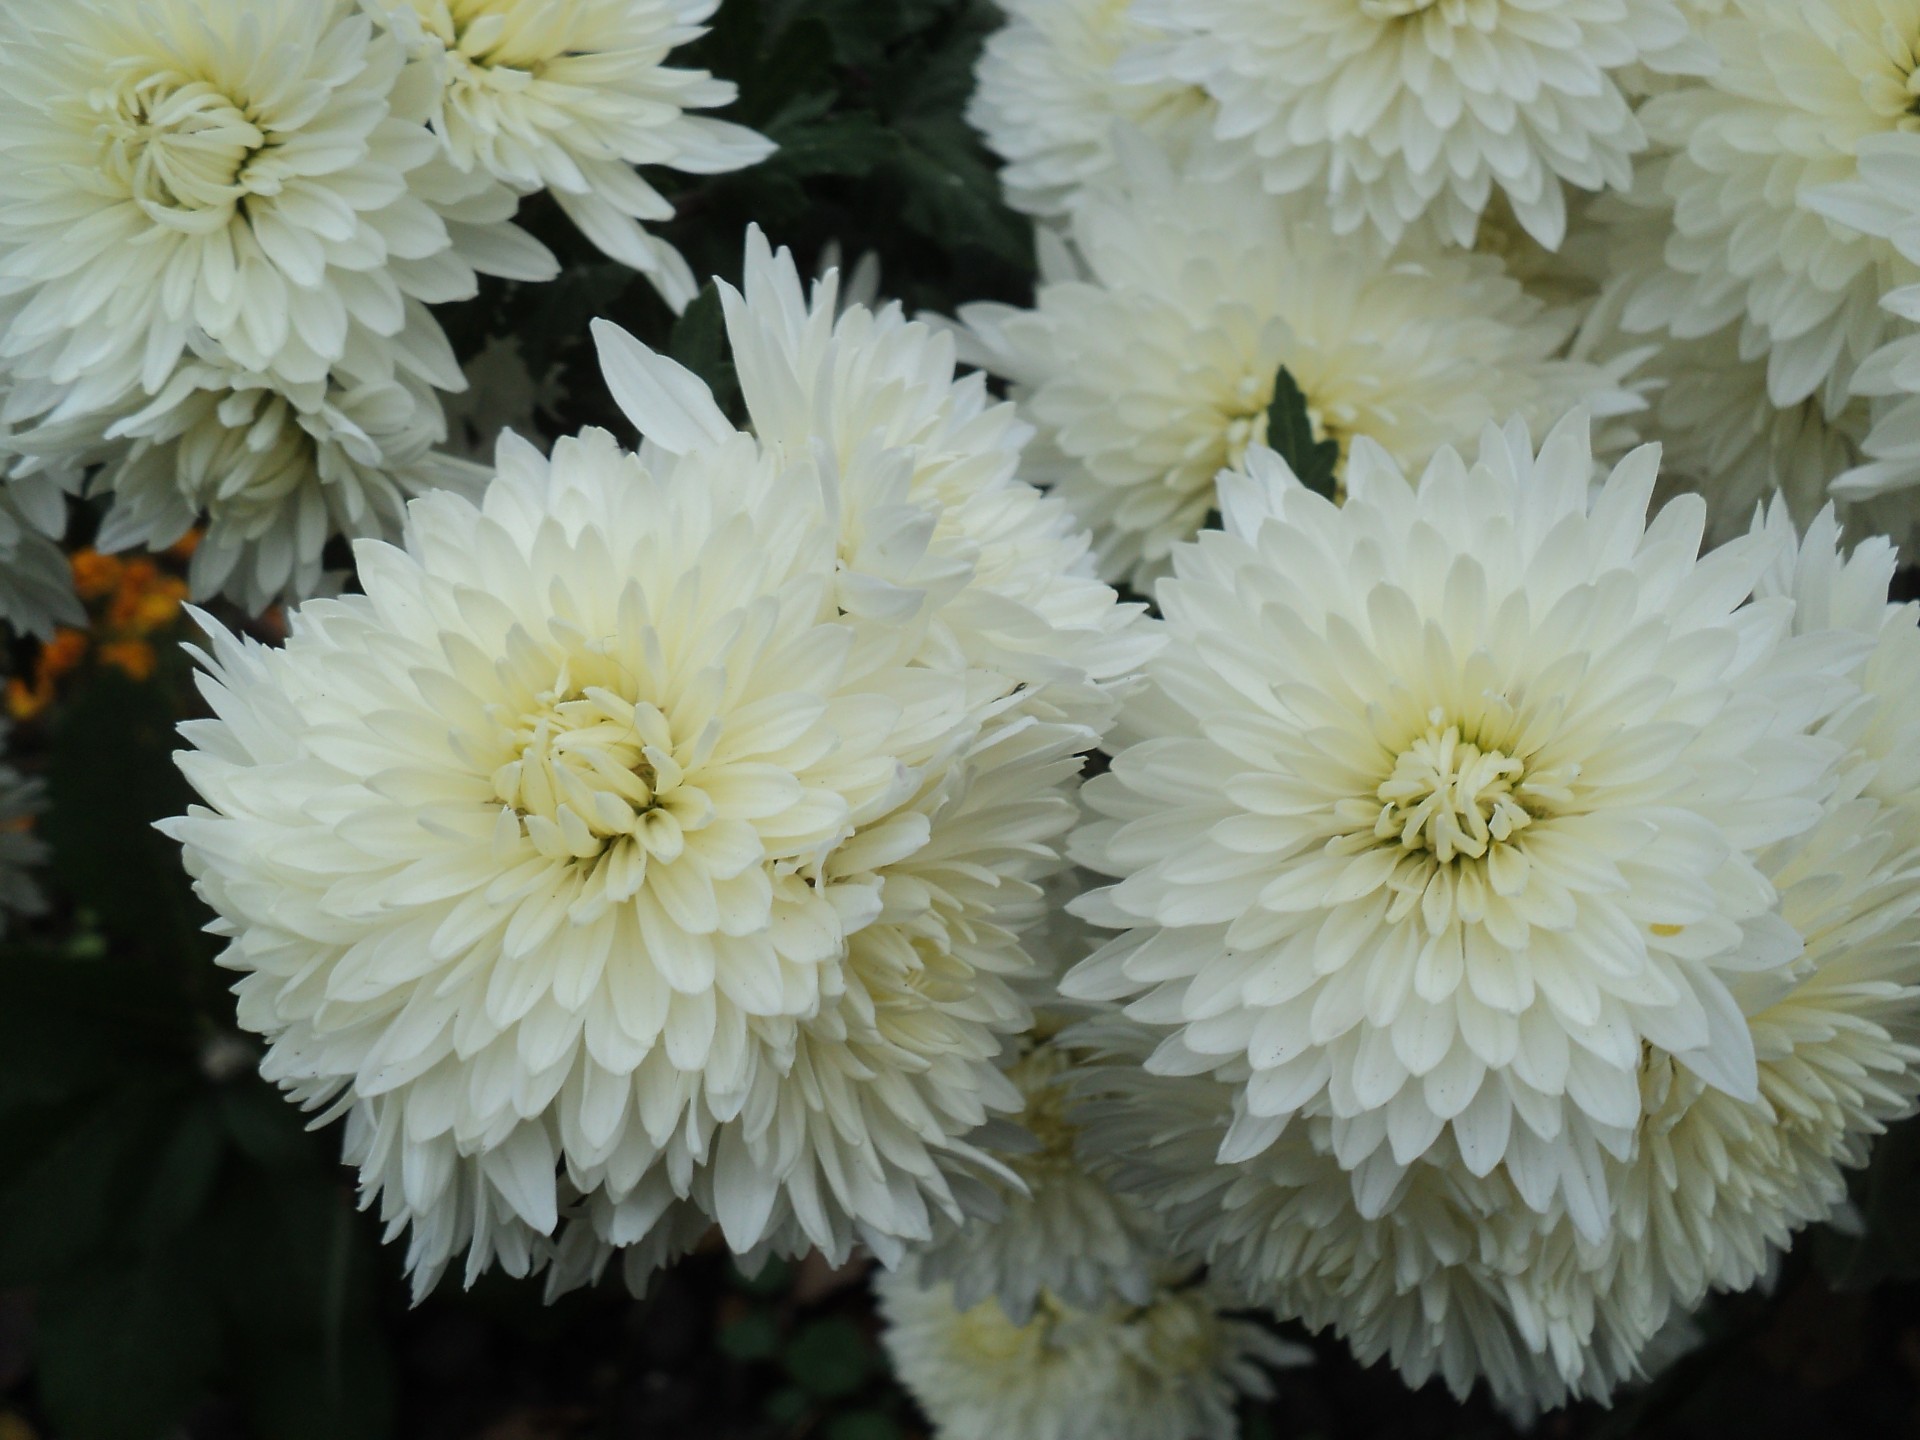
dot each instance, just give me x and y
(1458, 1275)
(568, 96)
(1149, 360)
(1777, 206)
(706, 709)
(1172, 1368)
(1441, 807)
(272, 471)
(1388, 111)
(36, 582)
(21, 851)
(1047, 100)
(542, 852)
(244, 169)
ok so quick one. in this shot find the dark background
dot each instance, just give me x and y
(178, 1257)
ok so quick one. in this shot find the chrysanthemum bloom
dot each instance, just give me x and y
(1150, 358)
(1806, 93)
(1061, 1230)
(1440, 808)
(1458, 1275)
(623, 861)
(1174, 1368)
(568, 96)
(245, 169)
(1388, 111)
(36, 583)
(1047, 101)
(21, 850)
(271, 470)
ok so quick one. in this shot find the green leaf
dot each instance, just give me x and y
(110, 777)
(754, 1336)
(863, 1425)
(63, 1207)
(1290, 434)
(829, 1358)
(125, 1351)
(182, 1176)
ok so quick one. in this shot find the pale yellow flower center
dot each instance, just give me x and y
(591, 768)
(180, 146)
(1449, 796)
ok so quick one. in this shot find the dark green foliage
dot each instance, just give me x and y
(1290, 434)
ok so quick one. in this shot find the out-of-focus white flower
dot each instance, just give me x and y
(1460, 1272)
(568, 96)
(272, 470)
(36, 582)
(1047, 100)
(1882, 484)
(1441, 807)
(1388, 111)
(21, 851)
(1149, 360)
(243, 169)
(1790, 166)
(1173, 1368)
(502, 393)
(1060, 1230)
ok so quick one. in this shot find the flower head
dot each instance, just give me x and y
(1151, 356)
(272, 470)
(1805, 133)
(1440, 808)
(1459, 1274)
(1047, 100)
(568, 96)
(249, 172)
(1172, 1366)
(1395, 110)
(635, 857)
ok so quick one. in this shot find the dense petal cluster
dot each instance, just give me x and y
(270, 469)
(245, 172)
(1047, 100)
(1173, 1366)
(568, 96)
(1150, 358)
(1786, 164)
(1435, 847)
(630, 858)
(220, 228)
(1461, 1277)
(1391, 112)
